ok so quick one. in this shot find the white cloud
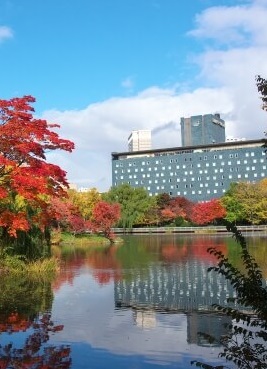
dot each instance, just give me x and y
(228, 77)
(5, 33)
(239, 24)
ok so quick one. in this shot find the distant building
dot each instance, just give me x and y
(199, 173)
(202, 130)
(139, 140)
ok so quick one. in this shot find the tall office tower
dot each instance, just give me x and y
(202, 130)
(139, 140)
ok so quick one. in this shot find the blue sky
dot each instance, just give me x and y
(104, 68)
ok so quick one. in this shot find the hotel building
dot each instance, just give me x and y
(199, 173)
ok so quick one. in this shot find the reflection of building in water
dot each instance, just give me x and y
(145, 318)
(184, 287)
(214, 325)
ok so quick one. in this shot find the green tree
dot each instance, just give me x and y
(246, 202)
(135, 202)
(233, 205)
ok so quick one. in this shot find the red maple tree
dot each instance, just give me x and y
(27, 180)
(207, 212)
(104, 216)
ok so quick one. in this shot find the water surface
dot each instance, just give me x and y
(136, 305)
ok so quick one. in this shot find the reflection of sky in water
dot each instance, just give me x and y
(90, 319)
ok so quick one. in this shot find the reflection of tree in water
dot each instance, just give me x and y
(24, 304)
(32, 354)
(101, 260)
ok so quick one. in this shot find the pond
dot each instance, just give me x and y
(139, 305)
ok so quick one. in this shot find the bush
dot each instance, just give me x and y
(245, 344)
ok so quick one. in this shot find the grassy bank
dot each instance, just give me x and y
(16, 265)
